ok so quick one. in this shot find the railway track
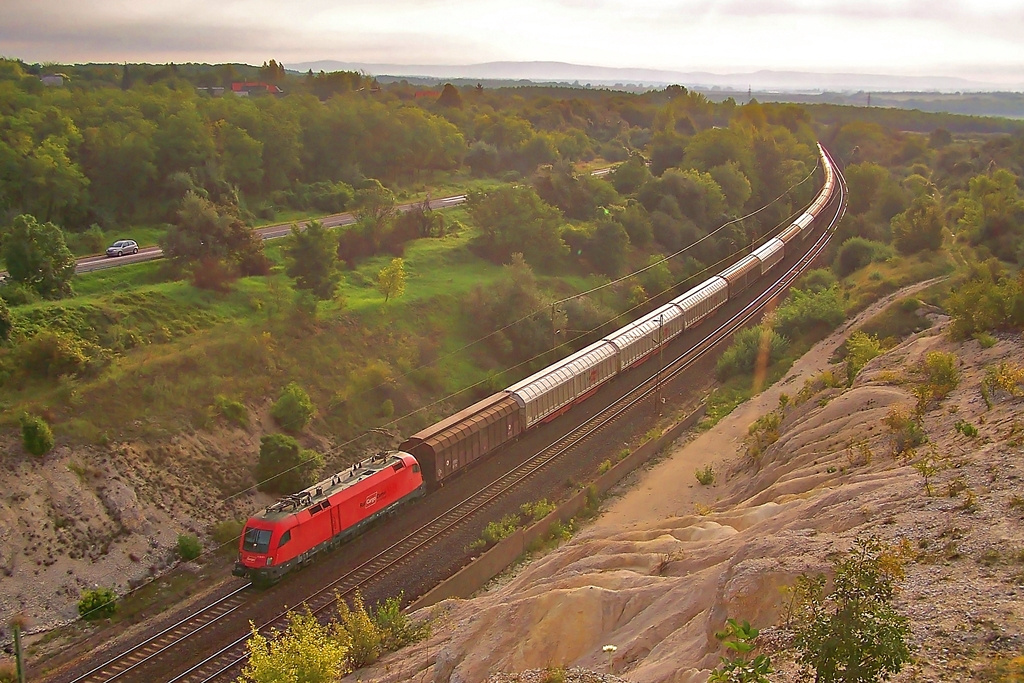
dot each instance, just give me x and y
(158, 644)
(225, 663)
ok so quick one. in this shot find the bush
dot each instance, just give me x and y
(539, 510)
(316, 650)
(293, 409)
(328, 196)
(396, 629)
(18, 294)
(854, 634)
(943, 373)
(749, 347)
(705, 476)
(98, 603)
(365, 635)
(860, 348)
(227, 532)
(189, 547)
(285, 467)
(905, 433)
(233, 411)
(858, 252)
(982, 304)
(51, 354)
(36, 435)
(803, 311)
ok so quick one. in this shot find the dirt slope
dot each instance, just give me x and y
(669, 560)
(85, 517)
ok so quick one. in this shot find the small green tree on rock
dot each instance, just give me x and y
(189, 547)
(739, 638)
(294, 409)
(854, 634)
(284, 466)
(97, 603)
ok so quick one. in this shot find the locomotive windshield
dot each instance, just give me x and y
(256, 540)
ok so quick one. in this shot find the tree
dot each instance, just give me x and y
(514, 219)
(306, 652)
(313, 260)
(630, 175)
(992, 213)
(56, 183)
(375, 206)
(735, 186)
(578, 195)
(6, 323)
(919, 227)
(284, 466)
(855, 635)
(450, 97)
(207, 237)
(37, 255)
(391, 279)
(607, 247)
(241, 157)
(294, 409)
(865, 180)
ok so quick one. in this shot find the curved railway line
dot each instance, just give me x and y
(157, 653)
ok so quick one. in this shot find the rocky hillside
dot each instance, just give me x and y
(110, 516)
(669, 560)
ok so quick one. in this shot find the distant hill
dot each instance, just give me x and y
(561, 72)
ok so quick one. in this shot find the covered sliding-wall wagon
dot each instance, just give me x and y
(457, 441)
(556, 388)
(703, 300)
(639, 339)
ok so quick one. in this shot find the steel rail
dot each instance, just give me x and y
(233, 655)
(155, 645)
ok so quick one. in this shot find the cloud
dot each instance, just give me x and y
(715, 35)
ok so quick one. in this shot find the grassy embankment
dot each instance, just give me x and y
(169, 350)
(858, 290)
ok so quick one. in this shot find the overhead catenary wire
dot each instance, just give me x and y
(339, 447)
(394, 421)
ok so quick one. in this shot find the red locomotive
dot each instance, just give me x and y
(290, 533)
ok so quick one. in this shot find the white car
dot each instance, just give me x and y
(122, 247)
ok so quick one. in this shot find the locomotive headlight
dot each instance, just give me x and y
(270, 561)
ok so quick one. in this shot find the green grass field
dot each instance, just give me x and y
(163, 351)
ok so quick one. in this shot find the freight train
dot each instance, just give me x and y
(289, 533)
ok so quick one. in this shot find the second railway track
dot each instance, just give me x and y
(157, 653)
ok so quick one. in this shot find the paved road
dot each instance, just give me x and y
(267, 232)
(88, 264)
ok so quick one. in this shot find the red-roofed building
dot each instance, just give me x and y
(246, 88)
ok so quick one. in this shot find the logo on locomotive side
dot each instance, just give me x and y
(371, 499)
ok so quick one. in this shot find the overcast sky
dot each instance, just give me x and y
(978, 39)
